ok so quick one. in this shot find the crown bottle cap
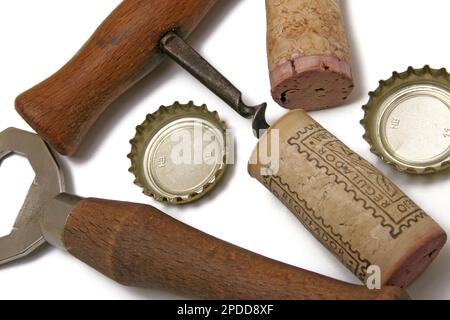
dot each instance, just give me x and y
(407, 120)
(179, 153)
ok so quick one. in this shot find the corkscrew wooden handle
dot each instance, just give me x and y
(124, 49)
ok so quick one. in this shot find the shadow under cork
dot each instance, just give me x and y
(432, 283)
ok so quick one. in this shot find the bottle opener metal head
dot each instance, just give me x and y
(26, 234)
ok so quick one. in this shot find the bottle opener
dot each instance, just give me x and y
(138, 245)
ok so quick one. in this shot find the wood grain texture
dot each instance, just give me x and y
(123, 50)
(138, 245)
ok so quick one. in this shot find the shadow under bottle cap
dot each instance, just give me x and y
(407, 120)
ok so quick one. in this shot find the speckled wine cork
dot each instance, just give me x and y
(309, 55)
(351, 207)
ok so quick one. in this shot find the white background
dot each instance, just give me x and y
(38, 37)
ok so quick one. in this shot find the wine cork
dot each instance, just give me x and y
(351, 207)
(309, 54)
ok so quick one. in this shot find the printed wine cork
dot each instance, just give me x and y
(351, 207)
(309, 55)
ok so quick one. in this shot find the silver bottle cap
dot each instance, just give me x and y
(179, 153)
(407, 120)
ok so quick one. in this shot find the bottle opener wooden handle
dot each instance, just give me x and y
(138, 245)
(121, 52)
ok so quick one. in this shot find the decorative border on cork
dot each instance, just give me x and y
(377, 194)
(316, 224)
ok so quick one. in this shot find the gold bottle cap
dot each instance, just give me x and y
(407, 120)
(179, 153)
